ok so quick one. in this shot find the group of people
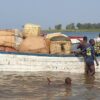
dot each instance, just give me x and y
(87, 50)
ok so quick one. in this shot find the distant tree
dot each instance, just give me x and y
(70, 26)
(49, 28)
(88, 26)
(79, 25)
(58, 27)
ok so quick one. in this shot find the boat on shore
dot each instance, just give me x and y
(24, 62)
(28, 51)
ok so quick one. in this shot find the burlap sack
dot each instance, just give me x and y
(7, 41)
(7, 32)
(34, 45)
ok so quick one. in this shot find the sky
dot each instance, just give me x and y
(48, 13)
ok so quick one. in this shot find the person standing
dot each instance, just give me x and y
(82, 45)
(89, 57)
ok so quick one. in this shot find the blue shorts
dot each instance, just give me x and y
(89, 61)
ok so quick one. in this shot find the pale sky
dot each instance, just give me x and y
(48, 13)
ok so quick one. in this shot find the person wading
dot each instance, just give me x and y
(89, 57)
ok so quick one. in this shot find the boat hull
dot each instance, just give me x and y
(31, 63)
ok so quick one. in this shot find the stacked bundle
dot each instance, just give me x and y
(60, 43)
(31, 30)
(8, 40)
(55, 48)
(67, 47)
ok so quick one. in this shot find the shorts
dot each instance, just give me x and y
(89, 62)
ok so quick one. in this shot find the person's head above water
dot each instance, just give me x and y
(92, 42)
(68, 81)
(85, 38)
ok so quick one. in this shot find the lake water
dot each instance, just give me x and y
(34, 86)
(90, 35)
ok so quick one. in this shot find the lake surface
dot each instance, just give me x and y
(34, 86)
(90, 35)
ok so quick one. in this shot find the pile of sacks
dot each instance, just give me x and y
(9, 40)
(31, 41)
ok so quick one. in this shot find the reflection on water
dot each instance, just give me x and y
(29, 86)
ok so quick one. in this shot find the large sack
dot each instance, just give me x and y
(31, 30)
(7, 32)
(7, 41)
(34, 45)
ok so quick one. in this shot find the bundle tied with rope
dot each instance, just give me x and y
(9, 40)
(59, 43)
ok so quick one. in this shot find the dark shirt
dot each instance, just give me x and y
(81, 46)
(89, 53)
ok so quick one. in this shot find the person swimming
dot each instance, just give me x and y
(68, 81)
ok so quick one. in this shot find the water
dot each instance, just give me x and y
(34, 86)
(90, 35)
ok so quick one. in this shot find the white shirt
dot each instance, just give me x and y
(97, 39)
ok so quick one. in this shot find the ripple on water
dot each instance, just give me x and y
(19, 86)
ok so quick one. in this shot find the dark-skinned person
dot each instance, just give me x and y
(82, 45)
(92, 43)
(89, 57)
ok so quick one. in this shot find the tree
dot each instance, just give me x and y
(70, 26)
(58, 27)
(49, 28)
(79, 25)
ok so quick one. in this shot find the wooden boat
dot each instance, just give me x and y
(19, 62)
(76, 39)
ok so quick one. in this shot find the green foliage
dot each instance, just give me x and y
(70, 26)
(58, 27)
(79, 27)
(88, 26)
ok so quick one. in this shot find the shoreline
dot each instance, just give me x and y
(75, 30)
